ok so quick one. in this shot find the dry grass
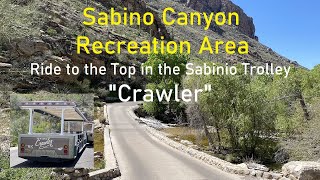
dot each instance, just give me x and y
(187, 133)
(98, 113)
(98, 141)
(98, 147)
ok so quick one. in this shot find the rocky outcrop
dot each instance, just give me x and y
(157, 29)
(55, 44)
(246, 23)
(61, 62)
(105, 174)
(70, 173)
(302, 170)
(281, 156)
(29, 47)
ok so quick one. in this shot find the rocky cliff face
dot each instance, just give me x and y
(246, 23)
(157, 29)
(59, 23)
(49, 36)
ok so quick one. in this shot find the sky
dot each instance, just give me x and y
(290, 27)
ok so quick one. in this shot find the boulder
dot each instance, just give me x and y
(281, 156)
(186, 142)
(276, 175)
(98, 153)
(259, 174)
(5, 65)
(267, 175)
(58, 170)
(80, 172)
(68, 170)
(244, 168)
(256, 166)
(54, 174)
(243, 165)
(302, 170)
(66, 177)
(253, 172)
(29, 47)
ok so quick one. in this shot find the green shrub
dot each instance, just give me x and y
(51, 31)
(20, 173)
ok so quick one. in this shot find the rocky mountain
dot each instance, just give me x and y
(246, 26)
(45, 31)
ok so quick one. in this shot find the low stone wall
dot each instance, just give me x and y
(105, 174)
(84, 174)
(297, 170)
(221, 164)
(109, 156)
(302, 170)
(70, 173)
(242, 169)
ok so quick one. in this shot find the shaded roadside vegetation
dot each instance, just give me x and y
(244, 117)
(99, 162)
(99, 147)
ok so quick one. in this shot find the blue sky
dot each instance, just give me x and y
(289, 27)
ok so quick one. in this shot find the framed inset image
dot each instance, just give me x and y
(52, 131)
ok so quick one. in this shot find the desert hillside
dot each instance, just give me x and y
(251, 121)
(45, 31)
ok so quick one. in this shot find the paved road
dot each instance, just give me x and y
(84, 160)
(141, 157)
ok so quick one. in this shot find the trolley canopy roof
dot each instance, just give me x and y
(54, 108)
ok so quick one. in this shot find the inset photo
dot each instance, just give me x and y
(51, 130)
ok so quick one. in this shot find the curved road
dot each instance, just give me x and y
(141, 157)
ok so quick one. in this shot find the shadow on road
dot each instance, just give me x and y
(64, 164)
